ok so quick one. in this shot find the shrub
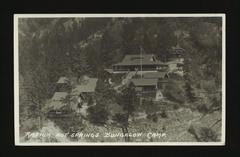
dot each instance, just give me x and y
(149, 116)
(202, 108)
(152, 117)
(97, 114)
(208, 135)
(174, 92)
(71, 121)
(149, 106)
(164, 114)
(176, 106)
(155, 117)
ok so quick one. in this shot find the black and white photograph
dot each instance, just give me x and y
(119, 79)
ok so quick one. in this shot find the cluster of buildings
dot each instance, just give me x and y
(148, 74)
(71, 94)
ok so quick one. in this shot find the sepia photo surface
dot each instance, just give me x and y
(119, 79)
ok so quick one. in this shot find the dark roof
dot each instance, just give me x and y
(145, 59)
(144, 82)
(154, 75)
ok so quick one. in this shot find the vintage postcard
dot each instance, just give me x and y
(119, 79)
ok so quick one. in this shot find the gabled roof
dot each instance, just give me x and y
(63, 80)
(144, 82)
(138, 57)
(109, 70)
(87, 86)
(145, 59)
(57, 105)
(139, 63)
(57, 100)
(59, 96)
(154, 75)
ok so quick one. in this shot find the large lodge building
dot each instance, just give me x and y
(147, 73)
(146, 62)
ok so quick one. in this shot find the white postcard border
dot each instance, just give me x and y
(16, 82)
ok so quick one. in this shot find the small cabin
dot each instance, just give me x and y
(85, 89)
(59, 104)
(145, 85)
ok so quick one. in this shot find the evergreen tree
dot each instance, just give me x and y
(127, 99)
(80, 65)
(98, 114)
(189, 92)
